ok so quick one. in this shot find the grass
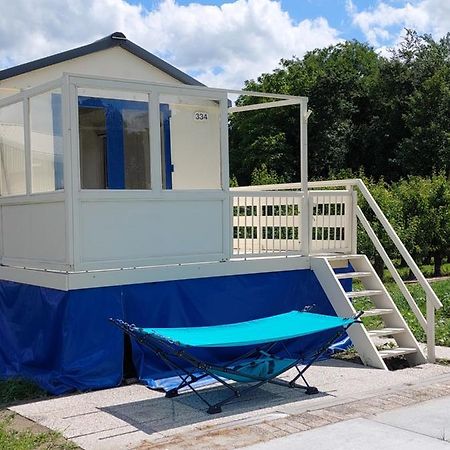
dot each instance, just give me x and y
(15, 432)
(17, 389)
(442, 289)
(13, 439)
(426, 269)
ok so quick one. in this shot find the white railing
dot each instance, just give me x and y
(269, 222)
(330, 221)
(266, 223)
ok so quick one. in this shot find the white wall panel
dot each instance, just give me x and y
(34, 232)
(114, 63)
(140, 231)
(195, 146)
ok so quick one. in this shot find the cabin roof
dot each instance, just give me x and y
(116, 39)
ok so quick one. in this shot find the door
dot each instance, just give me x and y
(115, 146)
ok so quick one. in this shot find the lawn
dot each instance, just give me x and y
(16, 389)
(442, 289)
(426, 269)
(16, 432)
(12, 438)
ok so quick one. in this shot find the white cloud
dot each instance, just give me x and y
(219, 45)
(384, 24)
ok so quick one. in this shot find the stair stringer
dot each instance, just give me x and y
(336, 295)
(404, 339)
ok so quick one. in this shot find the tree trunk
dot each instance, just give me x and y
(379, 266)
(437, 265)
(427, 260)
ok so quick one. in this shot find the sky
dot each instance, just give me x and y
(221, 43)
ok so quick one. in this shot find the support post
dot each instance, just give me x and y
(305, 213)
(354, 219)
(431, 347)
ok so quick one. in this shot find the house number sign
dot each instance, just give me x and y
(200, 116)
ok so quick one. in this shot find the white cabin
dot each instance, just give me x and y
(114, 173)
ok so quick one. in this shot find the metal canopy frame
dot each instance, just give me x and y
(288, 100)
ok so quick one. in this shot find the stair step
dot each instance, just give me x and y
(367, 293)
(342, 257)
(343, 276)
(385, 332)
(399, 351)
(377, 312)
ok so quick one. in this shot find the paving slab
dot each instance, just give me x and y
(431, 418)
(137, 417)
(355, 434)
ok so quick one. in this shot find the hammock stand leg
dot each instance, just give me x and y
(191, 378)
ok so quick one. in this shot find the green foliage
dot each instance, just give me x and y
(442, 289)
(233, 181)
(390, 116)
(16, 389)
(426, 211)
(418, 208)
(262, 175)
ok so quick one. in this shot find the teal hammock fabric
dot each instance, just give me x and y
(269, 329)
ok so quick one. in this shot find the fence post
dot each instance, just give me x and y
(354, 219)
(431, 348)
(304, 217)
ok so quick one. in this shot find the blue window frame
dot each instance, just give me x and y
(115, 146)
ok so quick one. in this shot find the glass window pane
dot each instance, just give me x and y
(92, 124)
(12, 150)
(191, 147)
(136, 149)
(47, 156)
(114, 139)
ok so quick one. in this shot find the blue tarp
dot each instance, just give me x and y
(64, 341)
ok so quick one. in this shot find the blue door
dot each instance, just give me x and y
(114, 144)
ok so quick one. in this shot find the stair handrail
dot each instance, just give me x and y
(390, 265)
(399, 244)
(431, 295)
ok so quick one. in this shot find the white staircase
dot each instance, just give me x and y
(394, 325)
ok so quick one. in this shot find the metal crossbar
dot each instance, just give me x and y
(173, 355)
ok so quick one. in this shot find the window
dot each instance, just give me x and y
(114, 140)
(12, 150)
(47, 156)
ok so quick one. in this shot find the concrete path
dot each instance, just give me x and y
(418, 427)
(136, 417)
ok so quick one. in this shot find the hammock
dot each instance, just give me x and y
(262, 341)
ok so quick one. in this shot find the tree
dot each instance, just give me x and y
(425, 215)
(426, 114)
(435, 223)
(340, 81)
(390, 116)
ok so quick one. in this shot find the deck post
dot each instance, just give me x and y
(354, 219)
(305, 213)
(431, 348)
